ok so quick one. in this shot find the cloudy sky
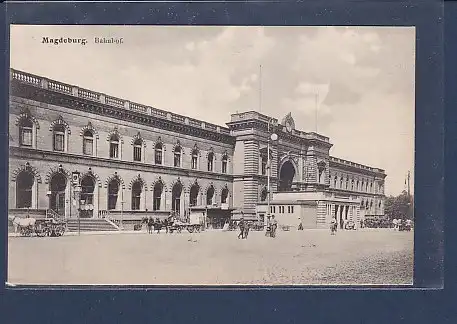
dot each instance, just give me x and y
(363, 78)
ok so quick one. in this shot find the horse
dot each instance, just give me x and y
(22, 222)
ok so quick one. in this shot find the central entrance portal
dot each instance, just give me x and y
(286, 176)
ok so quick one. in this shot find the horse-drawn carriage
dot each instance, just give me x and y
(178, 226)
(170, 224)
(39, 227)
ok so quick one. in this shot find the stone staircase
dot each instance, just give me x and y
(90, 225)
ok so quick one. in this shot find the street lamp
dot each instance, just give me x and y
(273, 137)
(122, 209)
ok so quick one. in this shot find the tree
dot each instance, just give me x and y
(399, 207)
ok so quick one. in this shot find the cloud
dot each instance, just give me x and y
(364, 77)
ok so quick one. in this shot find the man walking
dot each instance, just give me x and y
(242, 225)
(273, 226)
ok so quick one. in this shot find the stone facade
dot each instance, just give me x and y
(58, 129)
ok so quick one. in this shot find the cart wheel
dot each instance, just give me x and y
(190, 229)
(179, 229)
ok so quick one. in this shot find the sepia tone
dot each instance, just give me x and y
(84, 162)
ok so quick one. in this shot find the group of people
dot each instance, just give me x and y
(245, 226)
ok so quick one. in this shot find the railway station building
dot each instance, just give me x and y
(131, 160)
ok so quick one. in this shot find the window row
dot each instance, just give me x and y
(355, 185)
(59, 140)
(282, 210)
(58, 194)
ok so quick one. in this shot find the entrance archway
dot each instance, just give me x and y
(193, 196)
(286, 176)
(57, 197)
(87, 194)
(24, 187)
(209, 195)
(176, 198)
(157, 195)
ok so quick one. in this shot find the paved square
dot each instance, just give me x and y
(307, 257)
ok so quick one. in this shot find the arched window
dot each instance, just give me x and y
(136, 195)
(59, 138)
(193, 195)
(224, 164)
(363, 185)
(176, 198)
(371, 186)
(263, 194)
(209, 195)
(224, 195)
(88, 143)
(25, 132)
(358, 185)
(113, 192)
(210, 161)
(177, 157)
(24, 184)
(334, 182)
(352, 184)
(137, 150)
(158, 153)
(347, 183)
(157, 196)
(194, 163)
(341, 182)
(114, 146)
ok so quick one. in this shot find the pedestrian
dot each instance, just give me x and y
(273, 226)
(333, 226)
(241, 225)
(246, 230)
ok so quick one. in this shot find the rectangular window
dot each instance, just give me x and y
(114, 150)
(26, 136)
(177, 160)
(274, 209)
(158, 157)
(224, 166)
(112, 200)
(292, 209)
(88, 146)
(59, 142)
(194, 162)
(135, 203)
(156, 205)
(137, 153)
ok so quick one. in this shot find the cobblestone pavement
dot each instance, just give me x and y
(305, 257)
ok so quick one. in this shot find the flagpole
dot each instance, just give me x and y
(260, 88)
(316, 104)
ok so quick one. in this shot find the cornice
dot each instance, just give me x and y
(31, 92)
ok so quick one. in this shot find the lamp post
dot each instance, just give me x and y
(122, 209)
(273, 137)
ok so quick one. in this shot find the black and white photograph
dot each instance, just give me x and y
(211, 155)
